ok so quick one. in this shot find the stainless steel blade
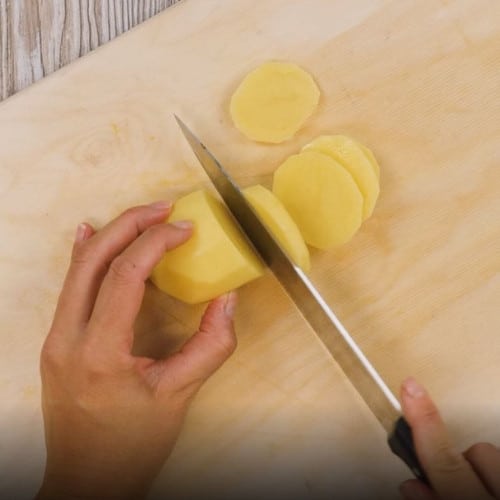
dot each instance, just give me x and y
(308, 300)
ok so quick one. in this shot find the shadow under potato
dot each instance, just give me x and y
(163, 324)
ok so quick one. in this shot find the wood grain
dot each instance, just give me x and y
(418, 287)
(37, 37)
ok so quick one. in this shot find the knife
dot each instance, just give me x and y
(337, 340)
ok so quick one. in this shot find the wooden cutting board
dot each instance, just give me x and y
(418, 287)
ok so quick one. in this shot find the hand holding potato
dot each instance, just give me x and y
(474, 475)
(111, 419)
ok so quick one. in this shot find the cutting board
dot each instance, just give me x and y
(418, 287)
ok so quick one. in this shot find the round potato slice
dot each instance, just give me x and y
(371, 159)
(321, 196)
(280, 224)
(349, 154)
(216, 259)
(273, 101)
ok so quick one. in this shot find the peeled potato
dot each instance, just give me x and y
(279, 222)
(321, 196)
(273, 101)
(216, 258)
(371, 159)
(349, 154)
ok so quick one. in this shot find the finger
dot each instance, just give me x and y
(450, 474)
(84, 231)
(416, 490)
(120, 296)
(91, 256)
(204, 352)
(485, 460)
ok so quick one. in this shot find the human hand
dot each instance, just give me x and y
(111, 419)
(473, 475)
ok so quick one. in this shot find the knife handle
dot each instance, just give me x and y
(401, 443)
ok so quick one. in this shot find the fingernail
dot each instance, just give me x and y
(230, 305)
(80, 232)
(161, 205)
(182, 224)
(412, 388)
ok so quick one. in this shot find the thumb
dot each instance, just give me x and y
(450, 474)
(206, 350)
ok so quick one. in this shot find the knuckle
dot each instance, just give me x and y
(136, 217)
(133, 217)
(178, 390)
(82, 254)
(51, 356)
(93, 365)
(446, 460)
(158, 230)
(226, 344)
(132, 212)
(160, 235)
(123, 270)
(429, 414)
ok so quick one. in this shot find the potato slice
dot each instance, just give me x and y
(321, 196)
(216, 259)
(280, 224)
(273, 101)
(349, 154)
(371, 159)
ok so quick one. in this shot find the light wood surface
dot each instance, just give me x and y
(38, 37)
(418, 287)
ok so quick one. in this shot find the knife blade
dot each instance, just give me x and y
(321, 318)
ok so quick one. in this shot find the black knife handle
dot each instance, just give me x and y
(401, 443)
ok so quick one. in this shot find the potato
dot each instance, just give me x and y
(273, 101)
(321, 196)
(216, 259)
(280, 224)
(371, 159)
(349, 154)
